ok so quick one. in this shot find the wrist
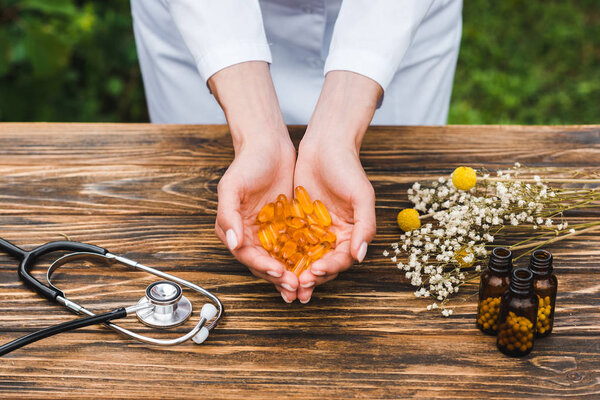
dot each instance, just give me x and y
(246, 94)
(344, 111)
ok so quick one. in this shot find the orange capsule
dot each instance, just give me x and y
(279, 213)
(276, 249)
(310, 237)
(288, 249)
(266, 214)
(304, 199)
(293, 259)
(312, 219)
(330, 237)
(264, 237)
(296, 209)
(282, 198)
(300, 265)
(273, 231)
(317, 251)
(283, 238)
(322, 214)
(318, 230)
(280, 227)
(295, 222)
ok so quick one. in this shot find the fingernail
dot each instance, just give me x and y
(287, 287)
(307, 285)
(362, 252)
(285, 298)
(304, 302)
(231, 239)
(317, 272)
(274, 274)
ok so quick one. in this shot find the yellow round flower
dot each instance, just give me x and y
(464, 178)
(464, 257)
(408, 219)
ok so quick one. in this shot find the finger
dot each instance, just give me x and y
(309, 281)
(364, 224)
(333, 262)
(229, 218)
(286, 295)
(304, 294)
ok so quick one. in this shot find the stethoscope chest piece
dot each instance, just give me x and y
(170, 307)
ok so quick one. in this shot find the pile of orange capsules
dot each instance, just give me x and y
(295, 232)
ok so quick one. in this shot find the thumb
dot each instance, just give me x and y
(364, 225)
(229, 219)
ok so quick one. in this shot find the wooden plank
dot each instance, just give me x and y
(150, 194)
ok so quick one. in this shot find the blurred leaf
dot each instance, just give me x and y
(5, 52)
(46, 50)
(65, 7)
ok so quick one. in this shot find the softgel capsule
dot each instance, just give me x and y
(296, 231)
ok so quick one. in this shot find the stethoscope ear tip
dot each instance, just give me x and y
(201, 336)
(209, 311)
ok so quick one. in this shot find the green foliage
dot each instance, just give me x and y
(68, 60)
(526, 62)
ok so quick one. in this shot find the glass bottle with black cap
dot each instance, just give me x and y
(518, 315)
(545, 286)
(493, 283)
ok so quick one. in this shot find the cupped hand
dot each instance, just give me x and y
(331, 172)
(261, 170)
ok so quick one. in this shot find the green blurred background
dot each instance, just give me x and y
(521, 62)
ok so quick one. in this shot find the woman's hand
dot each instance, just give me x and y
(329, 168)
(263, 167)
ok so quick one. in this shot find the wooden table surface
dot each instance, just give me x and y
(149, 192)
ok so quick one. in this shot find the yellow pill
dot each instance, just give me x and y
(265, 239)
(523, 347)
(317, 229)
(283, 238)
(304, 199)
(295, 222)
(273, 231)
(266, 214)
(279, 213)
(294, 258)
(330, 237)
(312, 219)
(321, 213)
(510, 347)
(296, 209)
(300, 265)
(317, 251)
(310, 236)
(282, 198)
(288, 249)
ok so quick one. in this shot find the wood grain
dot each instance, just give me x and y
(149, 192)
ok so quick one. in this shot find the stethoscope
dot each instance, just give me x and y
(163, 305)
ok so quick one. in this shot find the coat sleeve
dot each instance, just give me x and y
(370, 37)
(221, 33)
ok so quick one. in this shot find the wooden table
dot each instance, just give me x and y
(149, 192)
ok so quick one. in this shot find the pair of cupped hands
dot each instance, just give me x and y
(266, 164)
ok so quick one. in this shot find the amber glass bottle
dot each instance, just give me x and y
(494, 282)
(545, 285)
(518, 315)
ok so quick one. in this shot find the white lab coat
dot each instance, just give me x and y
(409, 47)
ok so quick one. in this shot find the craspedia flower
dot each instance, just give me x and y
(408, 219)
(464, 257)
(464, 178)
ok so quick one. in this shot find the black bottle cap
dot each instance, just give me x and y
(521, 281)
(500, 260)
(540, 262)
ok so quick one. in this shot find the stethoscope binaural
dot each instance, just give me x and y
(163, 305)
